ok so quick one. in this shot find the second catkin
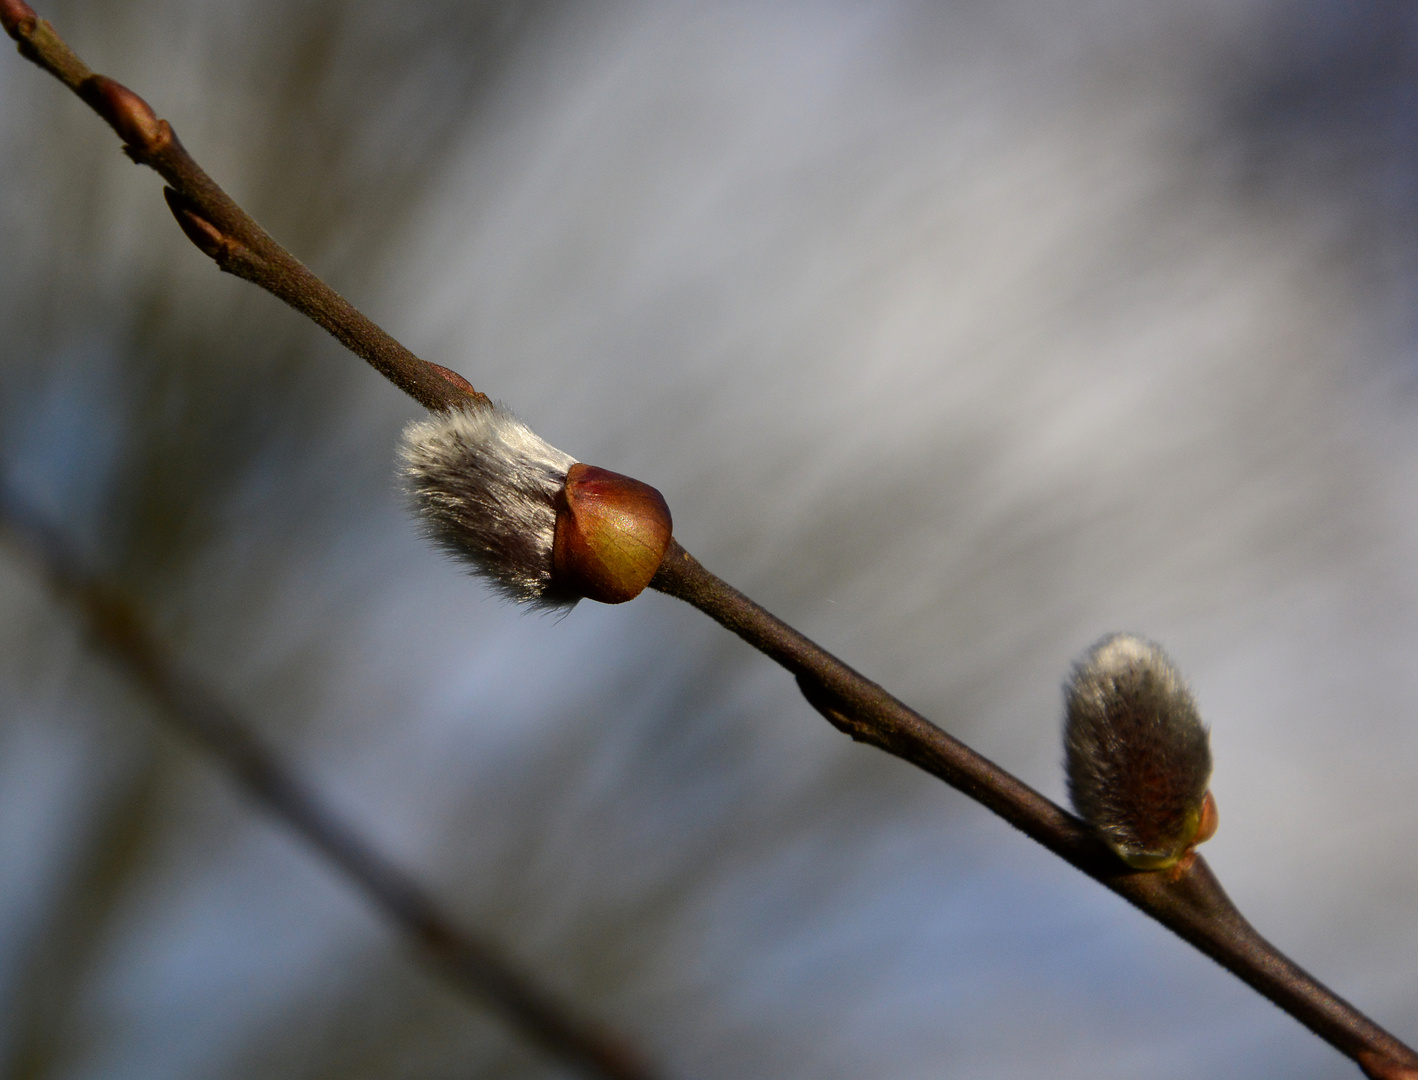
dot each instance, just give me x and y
(1137, 756)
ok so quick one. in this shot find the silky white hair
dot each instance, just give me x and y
(1137, 755)
(484, 485)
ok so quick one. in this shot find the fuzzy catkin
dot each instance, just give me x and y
(484, 486)
(1137, 756)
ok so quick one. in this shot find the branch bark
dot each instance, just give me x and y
(220, 228)
(1187, 898)
(471, 965)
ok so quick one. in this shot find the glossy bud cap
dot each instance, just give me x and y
(611, 535)
(17, 17)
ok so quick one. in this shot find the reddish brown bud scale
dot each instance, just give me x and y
(130, 116)
(208, 239)
(611, 535)
(450, 376)
(17, 17)
(1210, 820)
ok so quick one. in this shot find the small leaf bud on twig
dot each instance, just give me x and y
(209, 240)
(1136, 753)
(543, 528)
(128, 114)
(450, 376)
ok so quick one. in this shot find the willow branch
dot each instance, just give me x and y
(1187, 898)
(472, 966)
(220, 228)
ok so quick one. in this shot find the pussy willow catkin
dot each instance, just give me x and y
(1137, 755)
(542, 527)
(485, 488)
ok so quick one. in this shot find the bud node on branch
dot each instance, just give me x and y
(451, 376)
(817, 696)
(128, 114)
(209, 240)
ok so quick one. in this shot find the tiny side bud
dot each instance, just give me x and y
(450, 376)
(611, 535)
(474, 397)
(208, 239)
(1137, 756)
(130, 116)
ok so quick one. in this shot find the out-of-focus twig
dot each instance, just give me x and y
(473, 966)
(1186, 898)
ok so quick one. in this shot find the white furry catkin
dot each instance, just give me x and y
(1137, 755)
(485, 487)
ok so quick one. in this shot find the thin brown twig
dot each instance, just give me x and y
(1187, 898)
(220, 228)
(471, 965)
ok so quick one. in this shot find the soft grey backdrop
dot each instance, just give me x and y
(958, 334)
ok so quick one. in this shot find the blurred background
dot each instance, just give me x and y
(958, 334)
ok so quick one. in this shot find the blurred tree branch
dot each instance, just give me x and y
(1186, 898)
(474, 967)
